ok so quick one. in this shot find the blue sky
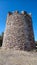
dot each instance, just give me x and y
(12, 5)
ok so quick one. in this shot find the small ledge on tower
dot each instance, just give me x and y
(23, 12)
(16, 12)
(10, 13)
(30, 14)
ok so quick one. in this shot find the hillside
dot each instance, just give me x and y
(16, 57)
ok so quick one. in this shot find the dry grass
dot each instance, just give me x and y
(17, 57)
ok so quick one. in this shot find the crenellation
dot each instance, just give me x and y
(30, 14)
(16, 12)
(23, 12)
(10, 13)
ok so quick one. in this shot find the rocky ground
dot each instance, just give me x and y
(17, 57)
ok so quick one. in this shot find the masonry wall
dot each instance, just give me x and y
(19, 31)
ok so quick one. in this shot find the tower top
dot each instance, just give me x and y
(20, 13)
(17, 12)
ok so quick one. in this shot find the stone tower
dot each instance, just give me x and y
(19, 32)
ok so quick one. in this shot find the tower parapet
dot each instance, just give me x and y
(23, 12)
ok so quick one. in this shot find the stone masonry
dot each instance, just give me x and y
(19, 31)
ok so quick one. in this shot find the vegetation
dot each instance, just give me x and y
(36, 42)
(1, 39)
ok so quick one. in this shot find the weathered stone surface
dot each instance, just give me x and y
(18, 33)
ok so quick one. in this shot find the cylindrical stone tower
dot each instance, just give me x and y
(19, 32)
